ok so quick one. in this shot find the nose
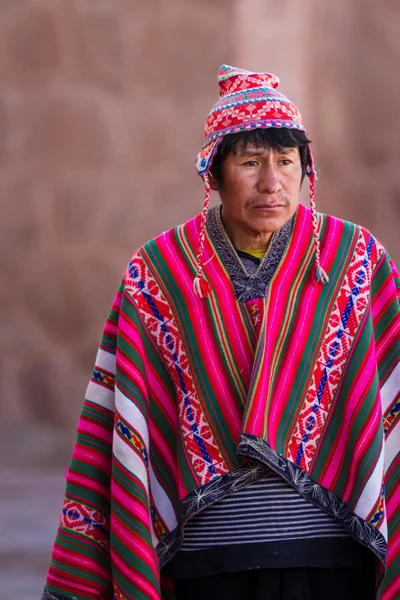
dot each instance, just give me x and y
(268, 180)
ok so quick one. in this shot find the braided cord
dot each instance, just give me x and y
(202, 234)
(200, 286)
(320, 272)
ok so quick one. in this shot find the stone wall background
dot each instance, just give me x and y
(102, 105)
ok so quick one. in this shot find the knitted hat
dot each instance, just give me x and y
(248, 101)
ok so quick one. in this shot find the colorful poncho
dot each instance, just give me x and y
(189, 396)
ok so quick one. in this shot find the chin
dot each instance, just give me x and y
(269, 225)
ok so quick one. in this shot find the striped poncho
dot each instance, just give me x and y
(189, 396)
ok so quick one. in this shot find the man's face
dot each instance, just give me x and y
(261, 187)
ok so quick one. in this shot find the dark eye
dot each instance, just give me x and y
(286, 162)
(251, 163)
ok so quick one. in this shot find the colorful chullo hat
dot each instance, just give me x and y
(248, 101)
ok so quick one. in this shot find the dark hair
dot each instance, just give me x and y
(272, 137)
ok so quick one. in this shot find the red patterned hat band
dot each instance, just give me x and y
(248, 101)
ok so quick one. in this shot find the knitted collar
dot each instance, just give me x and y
(247, 286)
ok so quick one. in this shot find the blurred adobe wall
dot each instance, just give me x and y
(102, 105)
(355, 76)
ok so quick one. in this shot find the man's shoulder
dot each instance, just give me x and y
(184, 234)
(352, 231)
(346, 226)
(343, 224)
(331, 225)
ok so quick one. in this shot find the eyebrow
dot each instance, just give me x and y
(260, 151)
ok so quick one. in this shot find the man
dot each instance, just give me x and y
(240, 435)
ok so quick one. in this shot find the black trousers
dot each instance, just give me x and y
(352, 583)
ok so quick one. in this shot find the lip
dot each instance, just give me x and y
(267, 207)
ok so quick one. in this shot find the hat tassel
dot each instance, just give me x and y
(321, 275)
(201, 287)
